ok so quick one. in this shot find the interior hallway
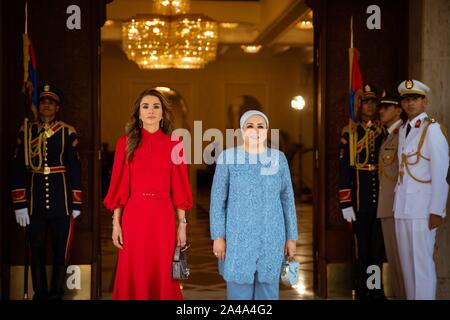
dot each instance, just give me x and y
(205, 283)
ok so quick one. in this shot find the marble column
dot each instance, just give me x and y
(429, 61)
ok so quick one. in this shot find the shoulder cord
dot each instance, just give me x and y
(367, 143)
(418, 155)
(36, 150)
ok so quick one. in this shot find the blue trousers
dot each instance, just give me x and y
(253, 291)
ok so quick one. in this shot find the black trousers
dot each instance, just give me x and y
(370, 250)
(58, 227)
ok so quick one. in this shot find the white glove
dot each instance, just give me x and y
(75, 213)
(349, 214)
(22, 217)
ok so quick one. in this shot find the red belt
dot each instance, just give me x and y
(368, 167)
(151, 195)
(49, 170)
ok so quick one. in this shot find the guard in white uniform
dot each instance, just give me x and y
(421, 192)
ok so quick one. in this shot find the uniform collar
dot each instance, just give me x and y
(394, 126)
(43, 125)
(365, 119)
(414, 120)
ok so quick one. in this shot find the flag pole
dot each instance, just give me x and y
(352, 136)
(26, 17)
(351, 32)
(350, 120)
(25, 145)
(25, 75)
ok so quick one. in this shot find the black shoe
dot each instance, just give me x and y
(378, 295)
(40, 297)
(55, 297)
(362, 295)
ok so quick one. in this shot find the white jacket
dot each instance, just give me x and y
(415, 200)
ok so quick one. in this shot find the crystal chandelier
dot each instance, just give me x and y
(170, 38)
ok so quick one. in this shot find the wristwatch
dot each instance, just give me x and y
(182, 220)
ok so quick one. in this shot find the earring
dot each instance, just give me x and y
(140, 123)
(162, 123)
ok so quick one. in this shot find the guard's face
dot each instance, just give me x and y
(403, 104)
(150, 110)
(414, 105)
(389, 113)
(368, 108)
(255, 130)
(48, 108)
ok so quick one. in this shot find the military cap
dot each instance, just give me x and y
(369, 92)
(413, 88)
(388, 99)
(51, 92)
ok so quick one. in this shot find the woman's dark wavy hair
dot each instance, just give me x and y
(133, 131)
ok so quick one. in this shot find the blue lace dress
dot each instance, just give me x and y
(253, 209)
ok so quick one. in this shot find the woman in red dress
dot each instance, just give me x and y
(149, 180)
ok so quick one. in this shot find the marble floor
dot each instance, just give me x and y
(205, 283)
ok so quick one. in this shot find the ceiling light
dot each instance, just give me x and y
(305, 25)
(170, 38)
(229, 25)
(251, 49)
(109, 23)
(298, 103)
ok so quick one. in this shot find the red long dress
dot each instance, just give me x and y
(148, 188)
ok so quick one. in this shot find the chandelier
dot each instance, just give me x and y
(170, 37)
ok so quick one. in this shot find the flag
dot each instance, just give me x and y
(355, 93)
(30, 85)
(356, 83)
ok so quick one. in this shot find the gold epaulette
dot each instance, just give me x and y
(345, 130)
(442, 126)
(70, 128)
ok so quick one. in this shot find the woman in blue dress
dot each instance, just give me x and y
(252, 213)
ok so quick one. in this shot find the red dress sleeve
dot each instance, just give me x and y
(119, 187)
(180, 187)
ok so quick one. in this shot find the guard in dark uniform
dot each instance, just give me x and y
(46, 190)
(358, 190)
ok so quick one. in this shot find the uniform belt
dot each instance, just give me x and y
(151, 195)
(368, 167)
(49, 170)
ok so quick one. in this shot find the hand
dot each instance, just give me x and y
(117, 237)
(181, 235)
(289, 249)
(75, 213)
(219, 248)
(349, 214)
(434, 221)
(22, 217)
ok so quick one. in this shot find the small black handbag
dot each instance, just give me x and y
(180, 270)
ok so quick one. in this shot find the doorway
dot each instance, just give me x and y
(213, 98)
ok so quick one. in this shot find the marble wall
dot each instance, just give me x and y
(429, 61)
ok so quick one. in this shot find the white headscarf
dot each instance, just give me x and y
(251, 113)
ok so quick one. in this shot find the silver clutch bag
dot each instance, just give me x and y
(180, 270)
(289, 273)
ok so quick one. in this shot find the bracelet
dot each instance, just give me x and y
(114, 216)
(183, 220)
